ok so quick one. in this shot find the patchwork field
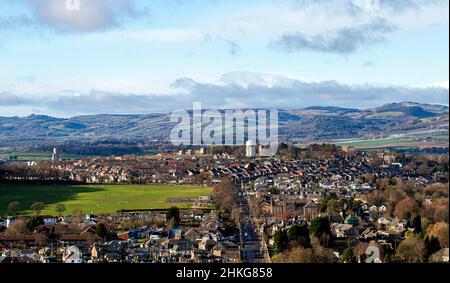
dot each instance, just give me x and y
(375, 143)
(96, 198)
(379, 144)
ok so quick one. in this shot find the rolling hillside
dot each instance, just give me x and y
(303, 125)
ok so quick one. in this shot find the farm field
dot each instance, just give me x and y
(96, 199)
(376, 143)
(394, 143)
(35, 156)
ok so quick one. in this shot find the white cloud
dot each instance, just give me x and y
(247, 79)
(313, 18)
(92, 14)
(444, 84)
(441, 84)
(7, 99)
(342, 41)
(233, 90)
(152, 35)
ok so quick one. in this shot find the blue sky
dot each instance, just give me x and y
(124, 56)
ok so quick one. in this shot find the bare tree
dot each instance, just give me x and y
(78, 212)
(411, 251)
(440, 231)
(14, 207)
(225, 195)
(37, 207)
(406, 205)
(296, 255)
(60, 209)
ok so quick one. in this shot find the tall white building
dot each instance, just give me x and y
(250, 149)
(55, 155)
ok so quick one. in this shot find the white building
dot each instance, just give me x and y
(9, 221)
(250, 149)
(55, 155)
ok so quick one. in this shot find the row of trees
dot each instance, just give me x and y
(224, 197)
(15, 207)
(42, 172)
(417, 250)
(301, 235)
(408, 199)
(303, 243)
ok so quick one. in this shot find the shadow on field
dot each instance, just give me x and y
(50, 195)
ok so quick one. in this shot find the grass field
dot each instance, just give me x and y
(36, 156)
(375, 143)
(96, 199)
(395, 143)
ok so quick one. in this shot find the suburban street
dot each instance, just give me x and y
(251, 248)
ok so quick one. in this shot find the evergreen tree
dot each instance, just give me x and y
(173, 213)
(34, 222)
(101, 230)
(281, 241)
(320, 228)
(432, 245)
(300, 235)
(417, 224)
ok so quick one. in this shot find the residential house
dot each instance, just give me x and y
(182, 247)
(175, 233)
(344, 230)
(228, 250)
(310, 210)
(266, 208)
(50, 220)
(207, 244)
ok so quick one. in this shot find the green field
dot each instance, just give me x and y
(35, 156)
(375, 143)
(96, 199)
(442, 138)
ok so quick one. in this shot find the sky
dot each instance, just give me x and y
(77, 57)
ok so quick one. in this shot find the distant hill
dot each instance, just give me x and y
(410, 109)
(332, 109)
(302, 125)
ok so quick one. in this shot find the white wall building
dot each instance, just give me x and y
(55, 155)
(250, 149)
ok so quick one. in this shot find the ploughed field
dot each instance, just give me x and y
(96, 199)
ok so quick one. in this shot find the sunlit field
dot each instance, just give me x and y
(96, 199)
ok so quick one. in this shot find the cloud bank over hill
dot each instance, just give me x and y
(138, 56)
(233, 90)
